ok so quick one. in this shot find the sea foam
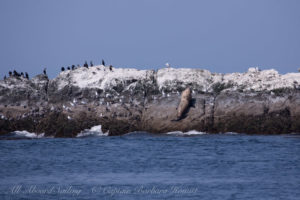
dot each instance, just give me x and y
(180, 133)
(94, 131)
(27, 134)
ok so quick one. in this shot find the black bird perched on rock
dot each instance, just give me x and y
(103, 63)
(69, 68)
(44, 71)
(62, 69)
(91, 63)
(110, 67)
(22, 74)
(5, 77)
(16, 73)
(73, 67)
(86, 65)
(26, 75)
(10, 73)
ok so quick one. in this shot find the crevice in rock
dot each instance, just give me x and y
(204, 107)
(213, 113)
(46, 88)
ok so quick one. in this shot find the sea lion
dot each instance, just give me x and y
(186, 97)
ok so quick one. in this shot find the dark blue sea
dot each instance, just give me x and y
(146, 166)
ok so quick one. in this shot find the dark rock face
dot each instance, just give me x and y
(40, 105)
(255, 113)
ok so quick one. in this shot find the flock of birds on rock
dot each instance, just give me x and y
(84, 65)
(17, 74)
(22, 74)
(73, 67)
(25, 75)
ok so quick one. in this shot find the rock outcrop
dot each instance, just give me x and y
(124, 100)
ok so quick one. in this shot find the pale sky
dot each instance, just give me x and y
(221, 36)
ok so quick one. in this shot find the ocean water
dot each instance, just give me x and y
(177, 165)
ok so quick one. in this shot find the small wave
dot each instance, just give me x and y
(192, 132)
(140, 133)
(94, 131)
(231, 133)
(26, 134)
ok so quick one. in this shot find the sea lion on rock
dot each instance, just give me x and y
(184, 104)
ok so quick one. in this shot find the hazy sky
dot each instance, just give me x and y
(221, 36)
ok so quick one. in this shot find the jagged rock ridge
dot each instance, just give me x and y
(124, 100)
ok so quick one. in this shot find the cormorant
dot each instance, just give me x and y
(91, 63)
(10, 73)
(69, 68)
(110, 67)
(62, 69)
(26, 75)
(73, 67)
(44, 71)
(86, 65)
(103, 63)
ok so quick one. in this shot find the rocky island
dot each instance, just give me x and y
(124, 100)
